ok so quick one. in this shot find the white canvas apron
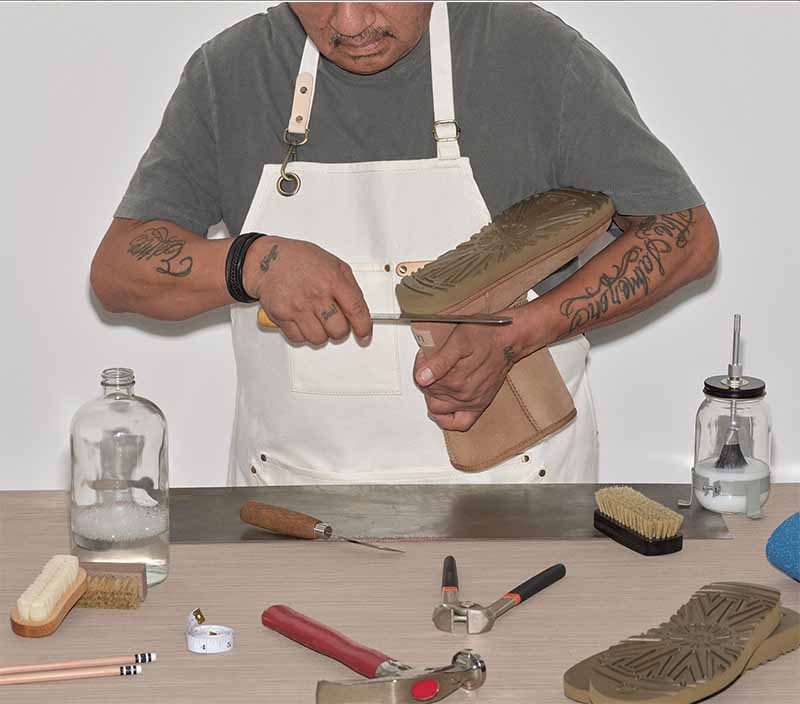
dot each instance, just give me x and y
(348, 414)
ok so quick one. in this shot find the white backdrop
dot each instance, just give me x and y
(84, 87)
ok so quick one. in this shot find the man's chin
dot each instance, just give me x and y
(365, 64)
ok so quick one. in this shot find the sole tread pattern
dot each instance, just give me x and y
(783, 640)
(521, 233)
(700, 650)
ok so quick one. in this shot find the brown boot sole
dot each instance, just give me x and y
(784, 639)
(522, 246)
(701, 650)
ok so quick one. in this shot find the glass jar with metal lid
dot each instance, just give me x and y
(731, 472)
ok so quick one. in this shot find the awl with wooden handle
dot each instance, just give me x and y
(296, 524)
(265, 322)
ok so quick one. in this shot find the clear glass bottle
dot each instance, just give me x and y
(120, 487)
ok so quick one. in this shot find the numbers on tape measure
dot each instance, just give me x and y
(207, 638)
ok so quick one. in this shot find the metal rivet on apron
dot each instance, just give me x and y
(263, 457)
(525, 458)
(387, 268)
(304, 90)
(542, 472)
(402, 270)
(253, 470)
(299, 118)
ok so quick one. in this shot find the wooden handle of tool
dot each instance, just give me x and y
(263, 319)
(279, 520)
(317, 636)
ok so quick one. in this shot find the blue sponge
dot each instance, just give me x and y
(783, 546)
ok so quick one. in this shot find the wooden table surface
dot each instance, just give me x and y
(383, 600)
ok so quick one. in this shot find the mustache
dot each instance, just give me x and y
(371, 34)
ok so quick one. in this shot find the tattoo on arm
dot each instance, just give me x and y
(638, 268)
(326, 314)
(508, 354)
(270, 257)
(157, 242)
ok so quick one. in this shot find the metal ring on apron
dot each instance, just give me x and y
(287, 177)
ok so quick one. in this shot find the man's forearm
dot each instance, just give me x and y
(159, 269)
(652, 258)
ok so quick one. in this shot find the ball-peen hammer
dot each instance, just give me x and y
(390, 682)
(480, 619)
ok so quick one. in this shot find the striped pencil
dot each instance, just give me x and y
(136, 659)
(79, 673)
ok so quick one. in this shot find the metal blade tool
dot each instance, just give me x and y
(477, 618)
(389, 681)
(265, 322)
(295, 524)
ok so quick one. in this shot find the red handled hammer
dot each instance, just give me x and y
(390, 682)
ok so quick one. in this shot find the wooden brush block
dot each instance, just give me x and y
(29, 629)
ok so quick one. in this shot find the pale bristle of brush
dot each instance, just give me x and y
(638, 513)
(111, 592)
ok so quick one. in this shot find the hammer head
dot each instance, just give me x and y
(408, 686)
(477, 618)
(443, 614)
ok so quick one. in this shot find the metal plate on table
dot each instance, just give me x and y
(427, 512)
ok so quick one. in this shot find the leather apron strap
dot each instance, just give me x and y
(445, 128)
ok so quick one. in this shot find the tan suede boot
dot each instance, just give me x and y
(491, 271)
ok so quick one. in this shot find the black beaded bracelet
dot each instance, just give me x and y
(234, 266)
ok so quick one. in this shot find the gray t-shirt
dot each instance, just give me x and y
(539, 108)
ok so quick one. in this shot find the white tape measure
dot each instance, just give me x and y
(204, 638)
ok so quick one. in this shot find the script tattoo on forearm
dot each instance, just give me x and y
(327, 314)
(158, 243)
(636, 271)
(508, 354)
(269, 257)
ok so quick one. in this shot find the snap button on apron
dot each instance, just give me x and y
(542, 472)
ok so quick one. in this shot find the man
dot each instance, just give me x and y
(348, 165)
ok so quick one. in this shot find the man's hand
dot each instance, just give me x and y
(461, 379)
(308, 292)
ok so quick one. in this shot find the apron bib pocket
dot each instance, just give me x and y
(347, 368)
